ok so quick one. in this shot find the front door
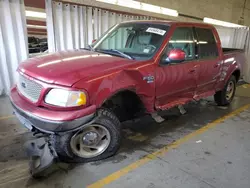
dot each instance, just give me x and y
(176, 83)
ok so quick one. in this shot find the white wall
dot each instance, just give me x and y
(13, 42)
(226, 10)
(127, 10)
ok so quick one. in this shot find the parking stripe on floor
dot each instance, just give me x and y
(245, 86)
(116, 175)
(6, 117)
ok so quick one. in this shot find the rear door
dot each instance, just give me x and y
(176, 83)
(209, 61)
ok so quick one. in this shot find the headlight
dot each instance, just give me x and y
(65, 98)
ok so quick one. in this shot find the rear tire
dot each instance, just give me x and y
(225, 96)
(106, 121)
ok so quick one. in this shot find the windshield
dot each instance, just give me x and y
(132, 40)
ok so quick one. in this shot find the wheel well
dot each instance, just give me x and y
(126, 105)
(236, 73)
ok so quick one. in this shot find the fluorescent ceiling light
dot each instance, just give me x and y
(150, 8)
(142, 6)
(181, 41)
(129, 3)
(35, 14)
(169, 12)
(202, 42)
(221, 23)
(36, 26)
(108, 1)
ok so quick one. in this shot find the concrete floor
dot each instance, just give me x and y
(198, 155)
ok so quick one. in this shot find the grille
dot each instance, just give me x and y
(29, 88)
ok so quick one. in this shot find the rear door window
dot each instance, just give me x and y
(206, 43)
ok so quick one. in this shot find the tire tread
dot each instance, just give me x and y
(106, 118)
(220, 96)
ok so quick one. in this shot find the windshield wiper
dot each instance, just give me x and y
(90, 48)
(114, 52)
(122, 54)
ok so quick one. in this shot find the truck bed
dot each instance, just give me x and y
(231, 50)
(236, 54)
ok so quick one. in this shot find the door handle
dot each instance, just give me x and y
(191, 71)
(217, 64)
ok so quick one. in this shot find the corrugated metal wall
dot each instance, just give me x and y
(73, 26)
(246, 67)
(13, 41)
(237, 38)
(233, 37)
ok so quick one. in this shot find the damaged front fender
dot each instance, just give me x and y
(138, 77)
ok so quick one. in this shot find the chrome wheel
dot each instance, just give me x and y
(91, 141)
(230, 90)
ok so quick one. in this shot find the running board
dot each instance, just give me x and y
(177, 103)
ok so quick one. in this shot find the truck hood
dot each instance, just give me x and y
(67, 67)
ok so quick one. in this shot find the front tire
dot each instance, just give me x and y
(225, 96)
(94, 142)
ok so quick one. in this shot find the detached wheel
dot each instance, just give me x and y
(225, 96)
(94, 142)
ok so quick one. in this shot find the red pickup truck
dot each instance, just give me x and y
(79, 97)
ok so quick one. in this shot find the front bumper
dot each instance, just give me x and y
(49, 121)
(42, 156)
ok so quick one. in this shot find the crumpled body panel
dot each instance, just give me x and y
(138, 77)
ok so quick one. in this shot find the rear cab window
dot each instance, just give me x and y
(207, 46)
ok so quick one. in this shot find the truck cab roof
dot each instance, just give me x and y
(170, 23)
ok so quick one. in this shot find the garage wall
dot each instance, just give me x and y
(230, 37)
(226, 10)
(13, 41)
(233, 37)
(72, 26)
(128, 10)
(246, 67)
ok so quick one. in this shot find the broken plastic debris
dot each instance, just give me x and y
(203, 102)
(223, 107)
(198, 141)
(182, 109)
(157, 118)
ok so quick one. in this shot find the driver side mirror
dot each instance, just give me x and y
(174, 56)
